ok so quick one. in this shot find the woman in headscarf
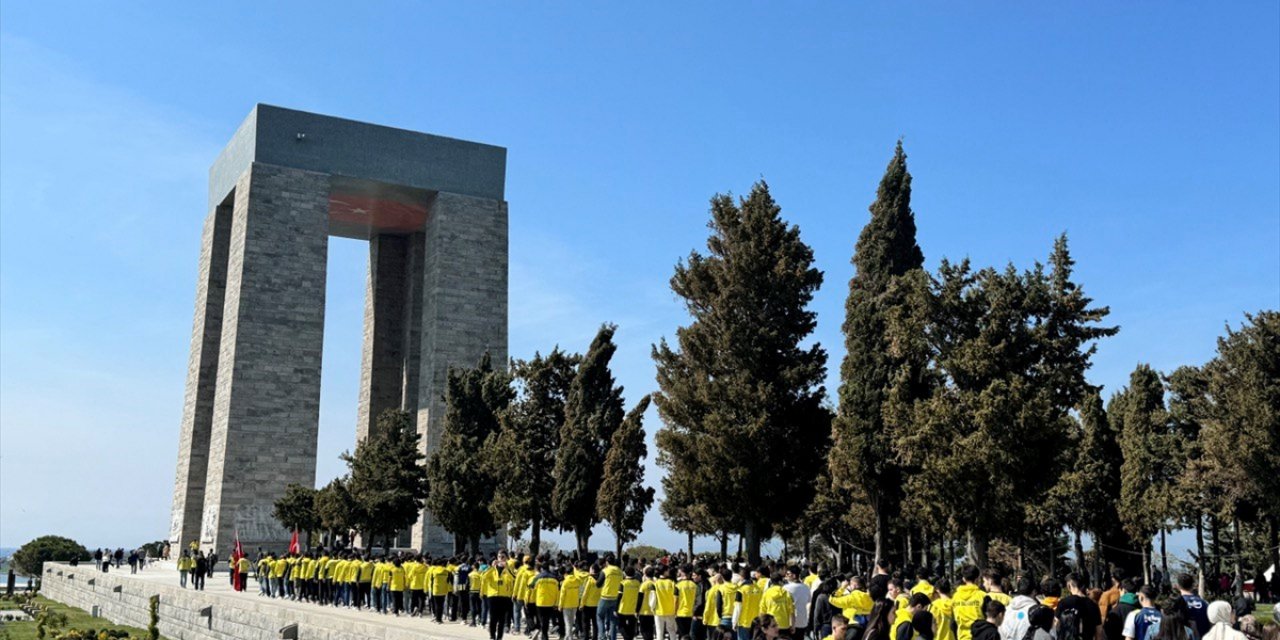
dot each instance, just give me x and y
(1221, 617)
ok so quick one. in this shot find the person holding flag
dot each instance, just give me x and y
(239, 565)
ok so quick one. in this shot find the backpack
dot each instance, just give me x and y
(1069, 625)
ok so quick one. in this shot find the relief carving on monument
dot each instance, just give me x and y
(255, 522)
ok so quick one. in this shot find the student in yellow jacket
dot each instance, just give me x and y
(944, 621)
(438, 583)
(546, 594)
(687, 592)
(777, 602)
(397, 585)
(728, 599)
(967, 603)
(992, 583)
(589, 619)
(855, 604)
(570, 601)
(497, 585)
(474, 580)
(523, 576)
(903, 628)
(747, 605)
(665, 602)
(646, 619)
(416, 572)
(629, 604)
(365, 579)
(923, 585)
(710, 614)
(813, 578)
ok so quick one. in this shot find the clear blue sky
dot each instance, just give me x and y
(1150, 132)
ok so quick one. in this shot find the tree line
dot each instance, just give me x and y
(546, 445)
(963, 414)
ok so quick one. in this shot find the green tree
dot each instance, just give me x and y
(336, 509)
(30, 557)
(623, 498)
(388, 477)
(296, 509)
(1149, 473)
(1242, 433)
(1195, 495)
(740, 393)
(862, 453)
(593, 413)
(522, 456)
(461, 486)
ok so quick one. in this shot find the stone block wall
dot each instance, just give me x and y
(230, 616)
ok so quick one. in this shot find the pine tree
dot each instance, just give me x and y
(624, 499)
(296, 509)
(862, 453)
(1150, 469)
(593, 412)
(388, 476)
(522, 456)
(739, 395)
(336, 508)
(461, 488)
(1242, 435)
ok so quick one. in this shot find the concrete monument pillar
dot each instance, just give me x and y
(433, 212)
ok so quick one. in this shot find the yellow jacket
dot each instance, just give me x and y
(748, 598)
(546, 590)
(664, 597)
(688, 591)
(497, 583)
(967, 608)
(943, 616)
(571, 591)
(854, 603)
(777, 602)
(628, 596)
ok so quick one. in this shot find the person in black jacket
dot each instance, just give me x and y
(989, 629)
(821, 612)
(201, 568)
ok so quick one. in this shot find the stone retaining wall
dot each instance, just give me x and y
(123, 600)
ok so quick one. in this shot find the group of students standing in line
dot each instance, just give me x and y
(666, 600)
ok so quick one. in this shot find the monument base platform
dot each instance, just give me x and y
(219, 612)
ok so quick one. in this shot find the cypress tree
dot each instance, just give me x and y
(593, 412)
(522, 456)
(739, 395)
(1150, 468)
(624, 499)
(461, 489)
(862, 453)
(388, 477)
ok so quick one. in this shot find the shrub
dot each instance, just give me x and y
(28, 559)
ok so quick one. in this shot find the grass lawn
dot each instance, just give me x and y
(76, 619)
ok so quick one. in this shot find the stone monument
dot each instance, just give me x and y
(433, 212)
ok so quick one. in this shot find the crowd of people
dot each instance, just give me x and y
(105, 559)
(676, 599)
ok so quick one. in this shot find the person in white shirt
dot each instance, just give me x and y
(800, 595)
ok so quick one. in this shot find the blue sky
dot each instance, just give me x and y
(1150, 132)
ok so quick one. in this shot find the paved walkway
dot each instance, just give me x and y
(220, 584)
